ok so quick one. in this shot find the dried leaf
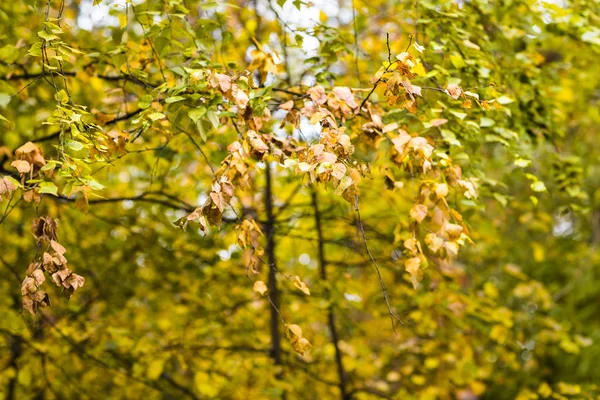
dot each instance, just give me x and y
(453, 91)
(22, 166)
(301, 285)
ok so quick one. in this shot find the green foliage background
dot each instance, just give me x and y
(166, 313)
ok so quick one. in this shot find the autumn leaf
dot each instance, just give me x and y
(260, 287)
(22, 166)
(300, 344)
(418, 212)
(301, 285)
(453, 91)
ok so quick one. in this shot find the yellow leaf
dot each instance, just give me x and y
(418, 212)
(539, 254)
(205, 384)
(418, 379)
(566, 388)
(294, 331)
(477, 387)
(301, 285)
(418, 70)
(260, 287)
(412, 265)
(544, 390)
(155, 369)
(323, 17)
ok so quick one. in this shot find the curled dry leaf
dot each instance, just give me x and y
(301, 285)
(411, 245)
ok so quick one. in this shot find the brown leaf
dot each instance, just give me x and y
(453, 231)
(22, 166)
(222, 81)
(57, 247)
(74, 282)
(6, 187)
(453, 91)
(345, 94)
(317, 94)
(28, 285)
(59, 276)
(38, 276)
(257, 143)
(287, 106)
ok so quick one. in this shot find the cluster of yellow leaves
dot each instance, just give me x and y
(545, 391)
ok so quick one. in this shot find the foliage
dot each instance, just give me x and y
(376, 199)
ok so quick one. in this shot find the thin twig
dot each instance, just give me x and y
(393, 315)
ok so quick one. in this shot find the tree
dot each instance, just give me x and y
(263, 199)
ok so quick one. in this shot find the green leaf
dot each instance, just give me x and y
(9, 54)
(35, 50)
(48, 37)
(457, 61)
(538, 186)
(213, 118)
(4, 99)
(458, 114)
(74, 145)
(156, 116)
(48, 188)
(486, 122)
(174, 99)
(196, 113)
(62, 97)
(145, 101)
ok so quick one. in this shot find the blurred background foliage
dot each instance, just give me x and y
(171, 314)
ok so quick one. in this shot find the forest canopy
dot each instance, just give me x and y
(271, 199)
